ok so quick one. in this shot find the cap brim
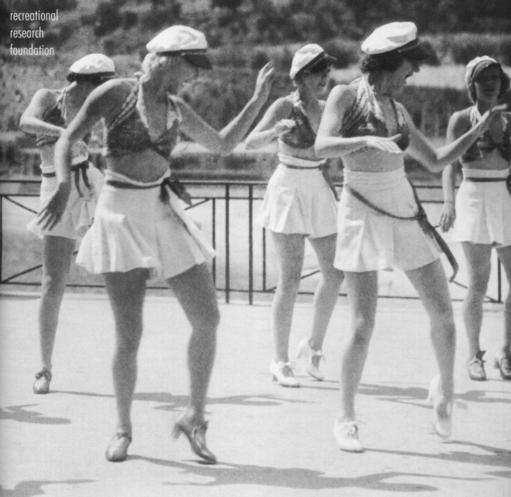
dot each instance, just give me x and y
(198, 59)
(485, 64)
(417, 52)
(318, 64)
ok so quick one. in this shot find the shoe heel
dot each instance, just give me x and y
(176, 432)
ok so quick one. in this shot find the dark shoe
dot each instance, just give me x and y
(117, 450)
(42, 381)
(196, 435)
(503, 364)
(475, 367)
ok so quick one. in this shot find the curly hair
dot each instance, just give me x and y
(388, 61)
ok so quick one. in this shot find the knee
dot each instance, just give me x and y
(208, 320)
(53, 285)
(478, 287)
(290, 282)
(128, 343)
(362, 329)
(333, 279)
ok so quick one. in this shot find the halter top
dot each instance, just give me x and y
(54, 115)
(485, 144)
(301, 135)
(127, 133)
(364, 118)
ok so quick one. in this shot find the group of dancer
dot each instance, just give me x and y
(139, 228)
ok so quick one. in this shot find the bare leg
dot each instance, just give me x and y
(362, 297)
(327, 291)
(431, 285)
(196, 293)
(126, 292)
(505, 258)
(57, 255)
(290, 251)
(478, 268)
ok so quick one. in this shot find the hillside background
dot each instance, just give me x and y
(244, 34)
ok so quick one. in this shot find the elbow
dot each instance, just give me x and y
(23, 123)
(320, 149)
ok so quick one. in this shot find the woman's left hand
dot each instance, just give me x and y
(447, 216)
(52, 212)
(489, 116)
(264, 81)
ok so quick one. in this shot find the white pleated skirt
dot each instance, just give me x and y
(483, 209)
(79, 213)
(133, 229)
(370, 241)
(298, 201)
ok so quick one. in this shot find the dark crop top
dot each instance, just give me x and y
(53, 115)
(126, 133)
(485, 144)
(301, 135)
(361, 119)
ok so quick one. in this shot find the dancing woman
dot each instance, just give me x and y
(46, 117)
(379, 216)
(140, 227)
(481, 214)
(299, 203)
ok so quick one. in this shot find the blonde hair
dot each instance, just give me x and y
(153, 61)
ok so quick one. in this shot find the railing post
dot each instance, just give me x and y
(263, 238)
(213, 236)
(250, 245)
(227, 244)
(499, 281)
(1, 236)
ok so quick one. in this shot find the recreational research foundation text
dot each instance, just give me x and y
(28, 34)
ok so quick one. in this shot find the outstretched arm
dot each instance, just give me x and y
(224, 141)
(273, 124)
(435, 159)
(31, 120)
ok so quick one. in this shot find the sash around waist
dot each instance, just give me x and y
(298, 163)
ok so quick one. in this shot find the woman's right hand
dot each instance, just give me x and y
(447, 216)
(283, 126)
(385, 143)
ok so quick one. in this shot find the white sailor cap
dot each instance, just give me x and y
(93, 64)
(398, 36)
(475, 66)
(182, 40)
(310, 57)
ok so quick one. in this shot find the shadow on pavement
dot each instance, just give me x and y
(32, 488)
(23, 415)
(494, 456)
(297, 478)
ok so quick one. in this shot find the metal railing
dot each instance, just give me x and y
(243, 265)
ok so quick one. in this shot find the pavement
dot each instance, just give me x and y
(270, 441)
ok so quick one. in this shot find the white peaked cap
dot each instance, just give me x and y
(93, 63)
(178, 38)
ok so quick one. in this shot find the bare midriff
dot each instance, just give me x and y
(492, 161)
(145, 166)
(373, 161)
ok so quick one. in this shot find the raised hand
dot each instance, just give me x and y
(52, 212)
(264, 81)
(489, 117)
(447, 216)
